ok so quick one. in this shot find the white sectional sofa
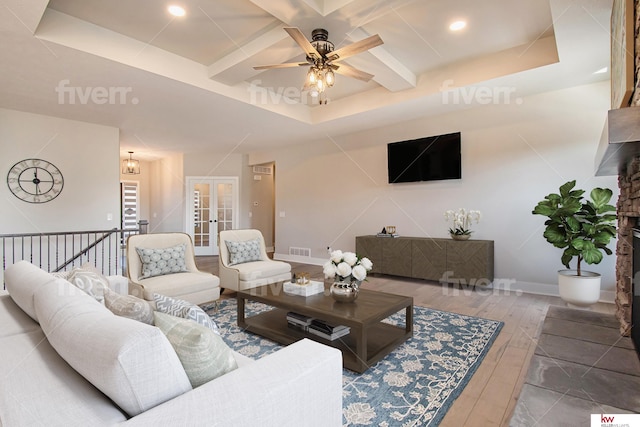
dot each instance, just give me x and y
(66, 360)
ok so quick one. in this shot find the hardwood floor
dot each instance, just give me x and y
(490, 397)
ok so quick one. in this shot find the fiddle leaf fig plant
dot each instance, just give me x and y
(583, 228)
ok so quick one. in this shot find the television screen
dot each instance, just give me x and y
(425, 159)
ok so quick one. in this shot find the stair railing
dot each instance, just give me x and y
(61, 251)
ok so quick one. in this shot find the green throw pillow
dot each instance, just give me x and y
(203, 354)
(128, 306)
(245, 251)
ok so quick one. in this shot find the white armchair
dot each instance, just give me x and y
(192, 285)
(238, 272)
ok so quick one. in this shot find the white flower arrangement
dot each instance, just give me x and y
(347, 267)
(462, 220)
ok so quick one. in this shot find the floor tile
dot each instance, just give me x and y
(600, 385)
(541, 407)
(583, 316)
(593, 333)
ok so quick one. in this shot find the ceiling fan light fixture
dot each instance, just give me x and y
(312, 76)
(320, 84)
(330, 77)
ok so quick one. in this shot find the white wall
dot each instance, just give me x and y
(512, 156)
(88, 157)
(166, 194)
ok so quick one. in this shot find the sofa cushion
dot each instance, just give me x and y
(243, 251)
(161, 261)
(185, 310)
(22, 279)
(13, 320)
(128, 306)
(88, 279)
(261, 269)
(203, 353)
(39, 388)
(129, 361)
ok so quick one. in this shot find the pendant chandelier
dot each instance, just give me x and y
(130, 166)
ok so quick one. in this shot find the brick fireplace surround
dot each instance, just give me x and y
(628, 215)
(628, 211)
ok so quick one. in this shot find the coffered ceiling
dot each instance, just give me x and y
(188, 83)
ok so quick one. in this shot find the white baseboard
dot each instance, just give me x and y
(606, 296)
(300, 259)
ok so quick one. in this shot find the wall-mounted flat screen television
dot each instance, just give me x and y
(425, 159)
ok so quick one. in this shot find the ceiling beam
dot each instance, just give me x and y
(326, 7)
(248, 50)
(394, 76)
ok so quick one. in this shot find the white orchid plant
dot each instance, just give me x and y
(347, 267)
(462, 220)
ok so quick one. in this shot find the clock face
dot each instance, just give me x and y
(35, 181)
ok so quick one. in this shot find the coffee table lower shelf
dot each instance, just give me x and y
(380, 338)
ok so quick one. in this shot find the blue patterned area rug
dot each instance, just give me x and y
(414, 385)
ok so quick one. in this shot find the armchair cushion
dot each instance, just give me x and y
(262, 269)
(244, 251)
(160, 261)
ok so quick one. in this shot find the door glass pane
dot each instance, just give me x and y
(202, 214)
(225, 205)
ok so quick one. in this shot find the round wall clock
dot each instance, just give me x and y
(35, 181)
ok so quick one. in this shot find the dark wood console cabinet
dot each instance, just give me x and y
(442, 260)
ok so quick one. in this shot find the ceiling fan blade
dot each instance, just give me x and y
(285, 65)
(355, 48)
(349, 71)
(302, 41)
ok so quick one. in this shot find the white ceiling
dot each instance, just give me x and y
(187, 84)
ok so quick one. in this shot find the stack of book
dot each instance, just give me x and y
(299, 321)
(327, 331)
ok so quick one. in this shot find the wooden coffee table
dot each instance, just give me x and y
(369, 340)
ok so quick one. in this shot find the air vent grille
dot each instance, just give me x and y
(306, 252)
(265, 170)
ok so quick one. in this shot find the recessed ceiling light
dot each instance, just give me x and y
(177, 10)
(457, 25)
(602, 70)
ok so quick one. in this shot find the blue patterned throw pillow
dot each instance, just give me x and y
(246, 251)
(184, 309)
(156, 262)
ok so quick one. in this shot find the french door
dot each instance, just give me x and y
(212, 206)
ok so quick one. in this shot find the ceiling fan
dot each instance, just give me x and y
(324, 60)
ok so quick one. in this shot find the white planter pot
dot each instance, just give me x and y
(580, 291)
